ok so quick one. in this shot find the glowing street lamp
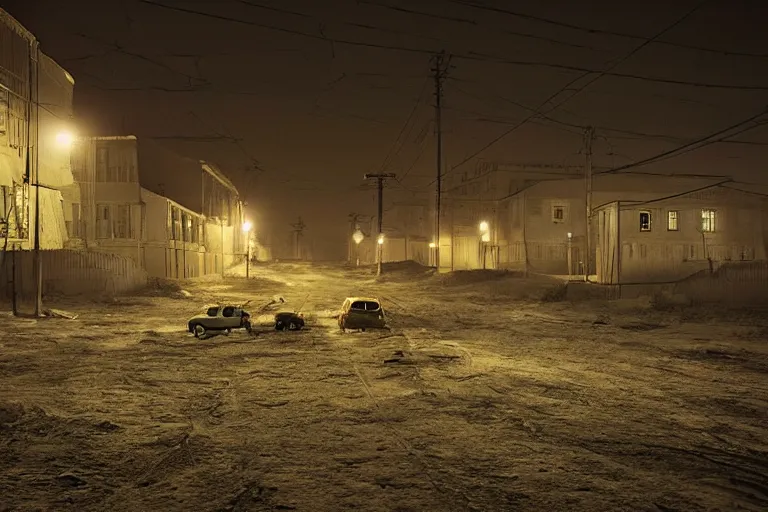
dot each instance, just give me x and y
(358, 237)
(65, 139)
(380, 242)
(247, 226)
(432, 245)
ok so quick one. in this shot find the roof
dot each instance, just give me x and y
(355, 299)
(755, 197)
(17, 27)
(220, 176)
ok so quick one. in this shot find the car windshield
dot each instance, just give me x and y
(365, 305)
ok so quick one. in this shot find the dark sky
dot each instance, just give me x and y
(318, 114)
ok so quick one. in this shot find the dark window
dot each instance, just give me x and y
(358, 305)
(645, 221)
(372, 306)
(228, 312)
(558, 213)
(213, 311)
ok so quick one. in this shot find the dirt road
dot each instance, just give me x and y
(481, 398)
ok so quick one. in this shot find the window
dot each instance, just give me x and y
(558, 213)
(102, 163)
(645, 221)
(3, 112)
(122, 228)
(672, 217)
(708, 220)
(103, 221)
(115, 164)
(228, 311)
(213, 311)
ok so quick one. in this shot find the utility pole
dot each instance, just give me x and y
(380, 240)
(589, 134)
(440, 70)
(34, 107)
(298, 229)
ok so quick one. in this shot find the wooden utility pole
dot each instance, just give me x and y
(588, 136)
(439, 71)
(379, 241)
(298, 230)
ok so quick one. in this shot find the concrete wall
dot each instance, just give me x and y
(70, 273)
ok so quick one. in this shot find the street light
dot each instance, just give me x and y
(485, 237)
(247, 225)
(380, 242)
(570, 255)
(65, 139)
(358, 237)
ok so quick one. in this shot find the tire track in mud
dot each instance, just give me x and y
(442, 491)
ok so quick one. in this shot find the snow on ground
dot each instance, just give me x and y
(488, 394)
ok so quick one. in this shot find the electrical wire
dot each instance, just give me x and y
(472, 56)
(392, 151)
(593, 31)
(608, 71)
(697, 144)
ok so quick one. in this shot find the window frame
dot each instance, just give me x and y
(711, 220)
(563, 209)
(676, 218)
(640, 221)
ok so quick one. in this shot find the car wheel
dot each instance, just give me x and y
(199, 331)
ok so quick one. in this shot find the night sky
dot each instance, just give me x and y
(312, 114)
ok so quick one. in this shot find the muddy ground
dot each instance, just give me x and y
(486, 395)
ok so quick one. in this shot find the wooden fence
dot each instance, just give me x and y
(69, 272)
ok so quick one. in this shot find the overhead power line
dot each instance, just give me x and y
(394, 149)
(538, 110)
(743, 126)
(549, 21)
(472, 56)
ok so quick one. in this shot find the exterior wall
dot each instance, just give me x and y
(71, 273)
(661, 254)
(17, 49)
(21, 66)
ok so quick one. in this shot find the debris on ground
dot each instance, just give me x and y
(58, 313)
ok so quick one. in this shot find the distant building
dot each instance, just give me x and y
(189, 227)
(537, 221)
(35, 128)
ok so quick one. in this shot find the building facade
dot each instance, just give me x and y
(168, 238)
(535, 219)
(35, 131)
(668, 238)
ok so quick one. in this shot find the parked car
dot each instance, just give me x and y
(362, 313)
(220, 318)
(289, 321)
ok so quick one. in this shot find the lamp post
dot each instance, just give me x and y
(485, 237)
(570, 255)
(432, 257)
(380, 244)
(247, 230)
(357, 237)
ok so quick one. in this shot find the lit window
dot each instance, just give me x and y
(558, 214)
(672, 217)
(645, 221)
(708, 220)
